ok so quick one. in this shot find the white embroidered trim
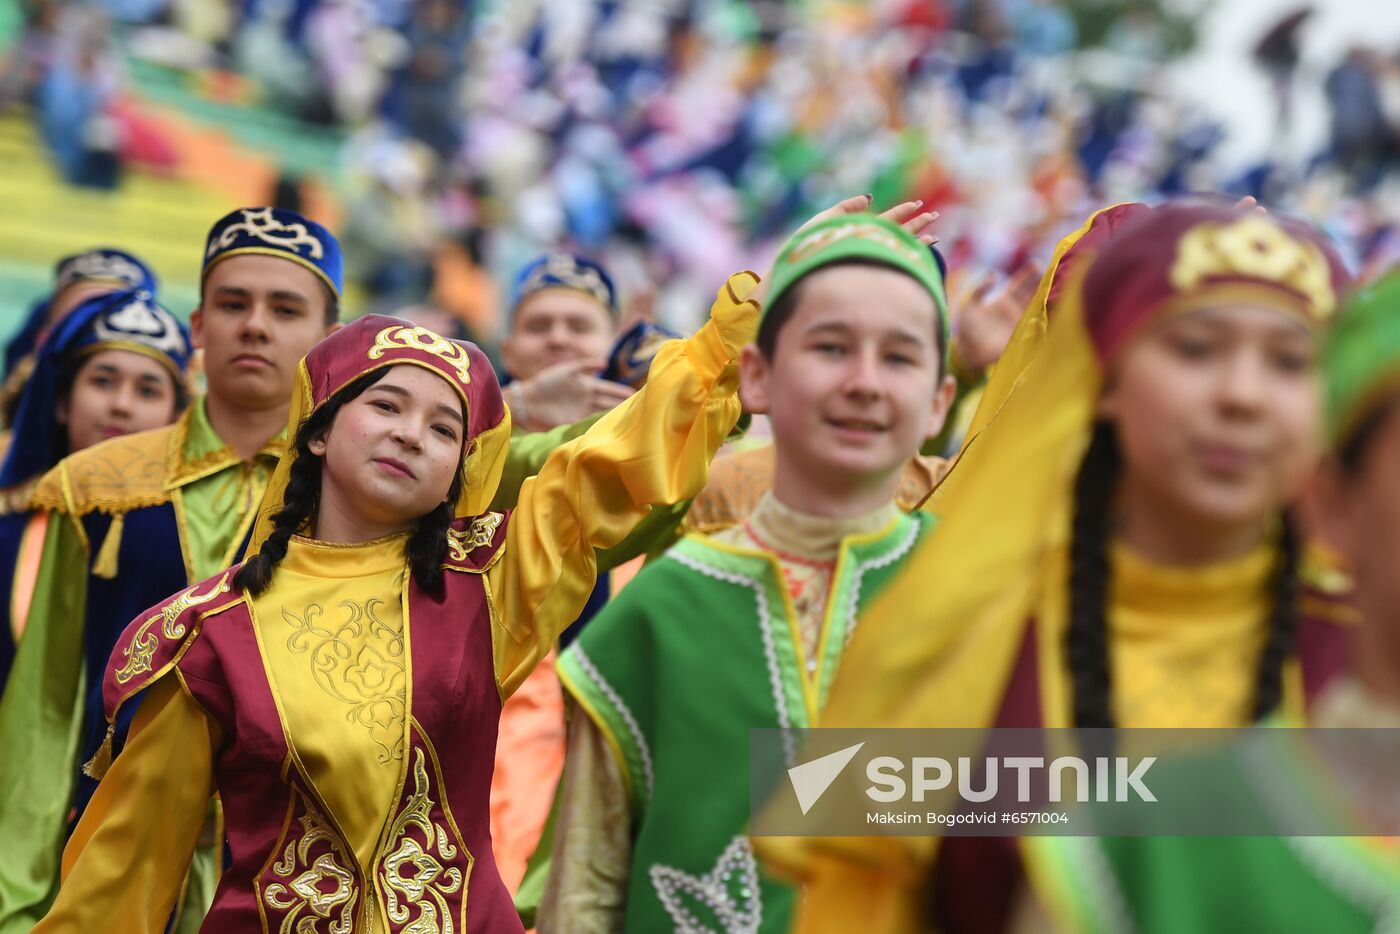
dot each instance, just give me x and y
(775, 675)
(1102, 889)
(714, 890)
(1346, 874)
(1350, 878)
(623, 711)
(885, 560)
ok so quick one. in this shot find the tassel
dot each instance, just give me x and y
(106, 564)
(101, 760)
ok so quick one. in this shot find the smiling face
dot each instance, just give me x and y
(853, 386)
(116, 392)
(391, 453)
(1216, 413)
(556, 325)
(259, 315)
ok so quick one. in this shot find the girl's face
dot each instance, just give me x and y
(391, 453)
(116, 392)
(1216, 413)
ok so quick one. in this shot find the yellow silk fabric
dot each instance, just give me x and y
(654, 448)
(125, 863)
(331, 630)
(1184, 643)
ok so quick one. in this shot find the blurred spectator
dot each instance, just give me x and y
(1362, 135)
(75, 99)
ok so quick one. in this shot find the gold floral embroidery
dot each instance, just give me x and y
(321, 884)
(1255, 247)
(414, 873)
(140, 652)
(261, 225)
(459, 543)
(360, 663)
(399, 337)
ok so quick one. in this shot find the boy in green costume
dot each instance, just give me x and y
(745, 629)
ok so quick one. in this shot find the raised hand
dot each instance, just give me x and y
(563, 394)
(989, 315)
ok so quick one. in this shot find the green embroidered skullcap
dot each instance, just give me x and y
(1361, 360)
(860, 237)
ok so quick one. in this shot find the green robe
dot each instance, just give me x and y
(1169, 884)
(699, 649)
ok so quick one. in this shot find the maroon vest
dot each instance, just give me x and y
(289, 867)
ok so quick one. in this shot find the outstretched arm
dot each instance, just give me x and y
(126, 861)
(653, 449)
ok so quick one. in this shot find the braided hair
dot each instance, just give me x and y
(427, 545)
(1087, 637)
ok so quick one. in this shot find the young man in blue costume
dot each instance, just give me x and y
(137, 518)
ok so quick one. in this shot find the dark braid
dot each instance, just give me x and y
(427, 546)
(1282, 626)
(1087, 638)
(298, 506)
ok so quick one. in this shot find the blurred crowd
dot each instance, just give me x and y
(671, 138)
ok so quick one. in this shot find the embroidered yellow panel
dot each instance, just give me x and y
(332, 631)
(357, 659)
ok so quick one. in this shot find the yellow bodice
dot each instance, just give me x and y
(331, 629)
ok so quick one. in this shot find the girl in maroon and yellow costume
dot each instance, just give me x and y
(341, 691)
(1114, 549)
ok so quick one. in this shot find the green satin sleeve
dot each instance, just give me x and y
(40, 726)
(527, 453)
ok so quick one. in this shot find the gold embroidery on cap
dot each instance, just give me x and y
(399, 337)
(1257, 248)
(261, 225)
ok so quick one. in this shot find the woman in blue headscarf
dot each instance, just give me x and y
(114, 366)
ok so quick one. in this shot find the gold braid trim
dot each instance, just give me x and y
(16, 499)
(114, 477)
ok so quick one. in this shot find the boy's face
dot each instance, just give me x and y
(853, 387)
(259, 316)
(556, 325)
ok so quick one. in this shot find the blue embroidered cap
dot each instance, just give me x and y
(127, 320)
(276, 232)
(122, 270)
(629, 361)
(103, 265)
(565, 271)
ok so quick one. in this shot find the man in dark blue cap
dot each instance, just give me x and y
(137, 518)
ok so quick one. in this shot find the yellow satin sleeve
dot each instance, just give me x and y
(655, 448)
(126, 861)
